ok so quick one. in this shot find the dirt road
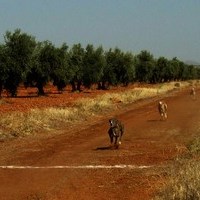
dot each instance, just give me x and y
(78, 164)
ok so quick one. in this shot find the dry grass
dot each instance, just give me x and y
(183, 182)
(194, 146)
(183, 177)
(20, 124)
(2, 101)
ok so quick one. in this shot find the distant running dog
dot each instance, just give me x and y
(193, 93)
(162, 108)
(115, 131)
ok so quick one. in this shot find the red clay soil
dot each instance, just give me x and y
(28, 99)
(147, 142)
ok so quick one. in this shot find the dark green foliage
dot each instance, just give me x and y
(49, 64)
(18, 48)
(109, 75)
(39, 73)
(59, 72)
(23, 60)
(119, 68)
(3, 67)
(94, 63)
(127, 69)
(144, 67)
(76, 67)
(160, 73)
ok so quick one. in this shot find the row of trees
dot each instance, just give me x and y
(25, 60)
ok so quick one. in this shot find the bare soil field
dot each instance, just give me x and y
(28, 99)
(78, 163)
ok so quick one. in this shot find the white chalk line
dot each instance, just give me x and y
(78, 167)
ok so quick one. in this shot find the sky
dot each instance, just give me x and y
(169, 28)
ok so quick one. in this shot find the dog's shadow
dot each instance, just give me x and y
(153, 120)
(106, 148)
